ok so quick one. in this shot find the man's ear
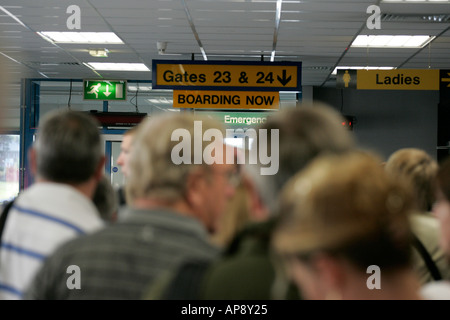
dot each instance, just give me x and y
(32, 159)
(195, 184)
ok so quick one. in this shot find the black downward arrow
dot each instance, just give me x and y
(284, 81)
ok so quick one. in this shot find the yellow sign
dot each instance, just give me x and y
(398, 79)
(226, 99)
(227, 75)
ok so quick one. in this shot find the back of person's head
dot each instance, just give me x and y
(419, 169)
(348, 207)
(304, 133)
(153, 171)
(105, 200)
(68, 146)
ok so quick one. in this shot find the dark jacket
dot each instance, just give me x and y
(245, 271)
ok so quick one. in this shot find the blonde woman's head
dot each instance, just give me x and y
(419, 170)
(346, 206)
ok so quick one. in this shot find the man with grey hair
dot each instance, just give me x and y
(172, 208)
(67, 162)
(246, 270)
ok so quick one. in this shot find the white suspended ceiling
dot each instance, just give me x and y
(316, 32)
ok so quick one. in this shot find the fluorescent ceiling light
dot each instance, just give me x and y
(80, 37)
(391, 41)
(141, 88)
(106, 66)
(357, 67)
(100, 53)
(166, 101)
(161, 100)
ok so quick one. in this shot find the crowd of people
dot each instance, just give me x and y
(197, 219)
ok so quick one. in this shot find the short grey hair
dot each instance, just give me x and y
(304, 133)
(68, 146)
(152, 173)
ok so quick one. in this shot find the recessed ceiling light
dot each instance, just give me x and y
(161, 100)
(80, 37)
(140, 88)
(100, 53)
(106, 66)
(358, 67)
(391, 41)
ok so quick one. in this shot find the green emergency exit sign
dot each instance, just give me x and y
(105, 90)
(239, 119)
